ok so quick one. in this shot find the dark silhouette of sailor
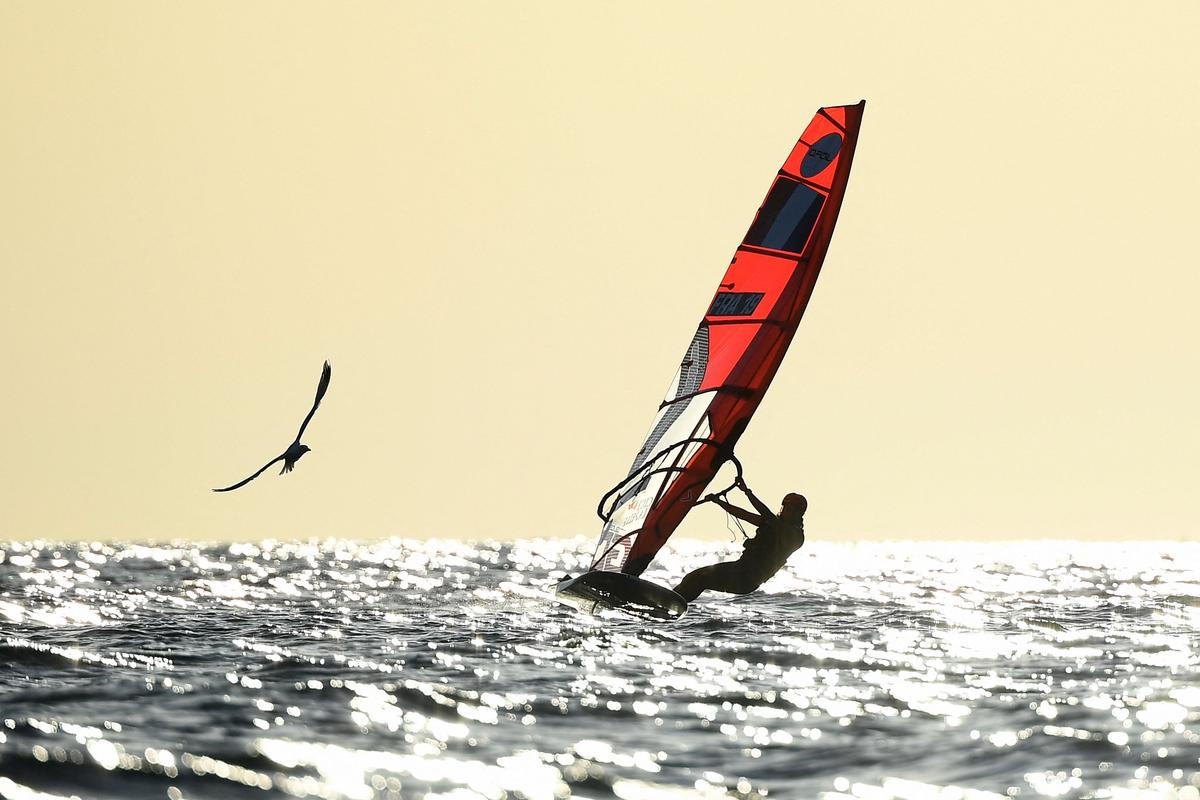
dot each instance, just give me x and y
(764, 554)
(295, 450)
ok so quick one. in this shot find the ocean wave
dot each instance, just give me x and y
(444, 669)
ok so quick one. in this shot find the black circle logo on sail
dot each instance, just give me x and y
(820, 155)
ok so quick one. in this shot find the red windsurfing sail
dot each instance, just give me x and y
(737, 349)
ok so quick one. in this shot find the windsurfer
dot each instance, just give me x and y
(764, 554)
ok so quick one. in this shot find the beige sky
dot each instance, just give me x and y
(501, 223)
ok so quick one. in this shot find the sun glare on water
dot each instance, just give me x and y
(445, 670)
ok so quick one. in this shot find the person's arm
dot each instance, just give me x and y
(762, 507)
(740, 513)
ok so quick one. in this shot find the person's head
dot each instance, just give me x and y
(794, 506)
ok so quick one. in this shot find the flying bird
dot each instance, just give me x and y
(295, 450)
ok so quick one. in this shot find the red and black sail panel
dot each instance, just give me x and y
(737, 348)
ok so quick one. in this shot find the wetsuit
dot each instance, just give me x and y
(763, 555)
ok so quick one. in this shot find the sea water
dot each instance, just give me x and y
(443, 669)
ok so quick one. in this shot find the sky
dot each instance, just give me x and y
(502, 222)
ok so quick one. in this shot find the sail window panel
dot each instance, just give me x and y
(821, 155)
(787, 217)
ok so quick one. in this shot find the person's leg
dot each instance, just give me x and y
(730, 576)
(695, 582)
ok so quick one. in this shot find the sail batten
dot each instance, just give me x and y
(737, 347)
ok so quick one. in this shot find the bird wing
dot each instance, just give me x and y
(326, 371)
(240, 484)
